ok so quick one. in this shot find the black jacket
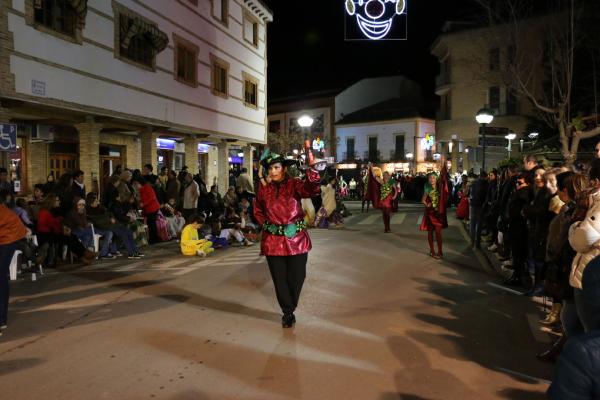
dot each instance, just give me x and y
(539, 217)
(478, 193)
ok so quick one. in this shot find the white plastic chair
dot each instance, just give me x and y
(96, 239)
(14, 263)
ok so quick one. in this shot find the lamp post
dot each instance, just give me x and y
(409, 157)
(483, 118)
(305, 121)
(511, 136)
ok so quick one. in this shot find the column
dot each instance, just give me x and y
(454, 155)
(4, 119)
(148, 144)
(248, 156)
(37, 162)
(212, 168)
(223, 170)
(89, 152)
(191, 154)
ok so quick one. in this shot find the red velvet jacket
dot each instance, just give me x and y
(279, 204)
(148, 200)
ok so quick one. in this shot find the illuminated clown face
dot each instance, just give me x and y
(375, 17)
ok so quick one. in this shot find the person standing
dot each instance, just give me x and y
(78, 187)
(285, 242)
(191, 193)
(477, 196)
(434, 218)
(383, 196)
(11, 231)
(245, 183)
(150, 205)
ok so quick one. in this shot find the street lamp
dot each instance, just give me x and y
(483, 118)
(305, 121)
(511, 136)
(409, 157)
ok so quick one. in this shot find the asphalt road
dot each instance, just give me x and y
(378, 319)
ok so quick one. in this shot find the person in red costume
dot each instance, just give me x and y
(383, 193)
(435, 198)
(285, 242)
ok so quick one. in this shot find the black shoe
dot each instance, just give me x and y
(288, 320)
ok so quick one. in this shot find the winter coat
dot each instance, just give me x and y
(245, 183)
(100, 217)
(11, 228)
(190, 196)
(148, 200)
(539, 217)
(279, 204)
(76, 220)
(478, 192)
(584, 237)
(173, 187)
(516, 222)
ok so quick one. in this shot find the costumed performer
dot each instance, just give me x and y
(285, 242)
(435, 198)
(382, 192)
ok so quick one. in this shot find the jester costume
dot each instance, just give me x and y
(285, 241)
(434, 216)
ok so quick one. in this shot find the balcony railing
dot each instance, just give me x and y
(397, 155)
(442, 80)
(350, 155)
(504, 109)
(372, 156)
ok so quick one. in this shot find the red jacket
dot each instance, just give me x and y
(148, 199)
(279, 204)
(48, 223)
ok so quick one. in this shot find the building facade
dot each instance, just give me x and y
(473, 75)
(92, 84)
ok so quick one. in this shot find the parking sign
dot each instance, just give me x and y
(8, 137)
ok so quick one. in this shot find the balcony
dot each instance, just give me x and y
(505, 109)
(372, 156)
(350, 156)
(442, 80)
(397, 156)
(442, 115)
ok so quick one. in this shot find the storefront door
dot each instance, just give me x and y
(61, 163)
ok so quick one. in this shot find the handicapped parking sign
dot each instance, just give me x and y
(8, 137)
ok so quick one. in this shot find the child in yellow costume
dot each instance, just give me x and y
(190, 244)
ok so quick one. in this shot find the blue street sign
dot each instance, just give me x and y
(8, 137)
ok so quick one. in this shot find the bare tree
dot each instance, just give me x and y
(545, 74)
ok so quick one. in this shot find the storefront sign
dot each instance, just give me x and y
(236, 160)
(203, 148)
(347, 166)
(165, 144)
(38, 87)
(8, 137)
(428, 141)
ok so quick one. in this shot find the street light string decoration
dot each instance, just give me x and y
(376, 19)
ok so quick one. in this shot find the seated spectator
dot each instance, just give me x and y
(232, 228)
(174, 218)
(125, 226)
(21, 211)
(215, 202)
(38, 196)
(577, 375)
(247, 216)
(77, 221)
(103, 225)
(211, 230)
(50, 231)
(231, 199)
(190, 243)
(49, 185)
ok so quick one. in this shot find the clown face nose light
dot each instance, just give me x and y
(375, 9)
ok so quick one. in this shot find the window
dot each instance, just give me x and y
(350, 149)
(57, 15)
(511, 102)
(250, 90)
(220, 11)
(373, 153)
(494, 98)
(251, 29)
(275, 126)
(511, 55)
(186, 61)
(494, 59)
(219, 76)
(399, 150)
(139, 41)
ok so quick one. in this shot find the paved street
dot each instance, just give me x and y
(379, 319)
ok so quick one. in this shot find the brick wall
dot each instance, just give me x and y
(148, 148)
(133, 148)
(191, 155)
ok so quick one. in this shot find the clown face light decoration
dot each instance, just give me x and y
(376, 19)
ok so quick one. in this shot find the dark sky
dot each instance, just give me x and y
(307, 51)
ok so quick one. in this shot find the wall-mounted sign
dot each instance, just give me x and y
(428, 141)
(203, 148)
(8, 137)
(38, 87)
(165, 144)
(375, 19)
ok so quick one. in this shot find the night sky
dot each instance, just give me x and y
(307, 51)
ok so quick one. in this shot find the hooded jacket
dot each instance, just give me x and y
(584, 237)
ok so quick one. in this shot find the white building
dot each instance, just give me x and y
(96, 83)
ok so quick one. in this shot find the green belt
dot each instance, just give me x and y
(288, 231)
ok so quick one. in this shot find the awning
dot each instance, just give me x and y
(131, 26)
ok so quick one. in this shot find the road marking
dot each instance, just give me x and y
(419, 220)
(520, 375)
(398, 219)
(509, 290)
(369, 220)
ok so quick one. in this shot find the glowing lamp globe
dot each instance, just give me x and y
(305, 121)
(484, 116)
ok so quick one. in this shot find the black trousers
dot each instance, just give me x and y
(288, 273)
